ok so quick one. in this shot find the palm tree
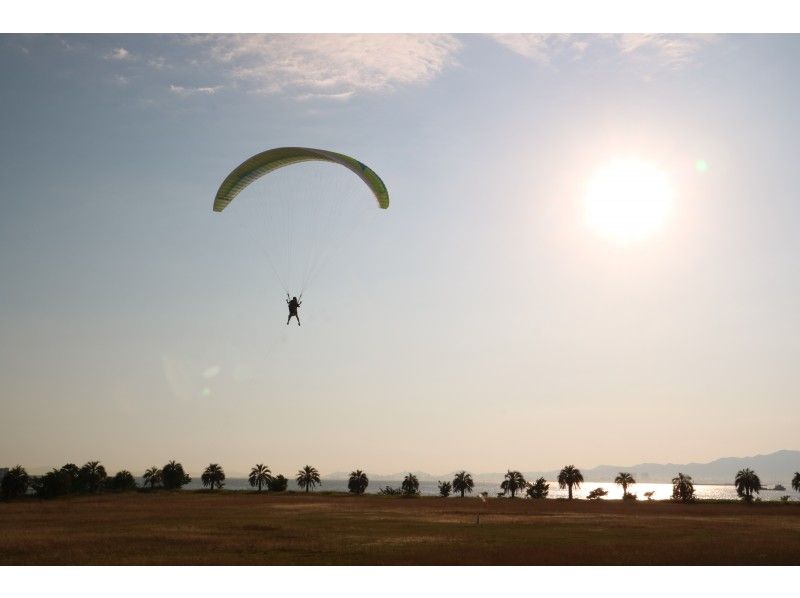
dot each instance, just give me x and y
(513, 482)
(568, 477)
(539, 489)
(796, 481)
(747, 482)
(15, 482)
(152, 477)
(410, 485)
(308, 478)
(624, 479)
(463, 483)
(213, 476)
(682, 488)
(260, 476)
(91, 475)
(358, 482)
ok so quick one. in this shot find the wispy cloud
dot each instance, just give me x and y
(121, 80)
(670, 50)
(332, 65)
(345, 95)
(542, 47)
(655, 50)
(158, 63)
(66, 45)
(185, 92)
(118, 54)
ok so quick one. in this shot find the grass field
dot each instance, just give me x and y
(297, 529)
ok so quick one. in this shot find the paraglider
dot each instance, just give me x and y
(300, 220)
(293, 305)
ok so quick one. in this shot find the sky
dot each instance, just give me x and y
(481, 322)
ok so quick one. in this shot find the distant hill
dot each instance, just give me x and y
(778, 467)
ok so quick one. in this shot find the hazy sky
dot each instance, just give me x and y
(479, 323)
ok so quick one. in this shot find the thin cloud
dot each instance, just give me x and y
(66, 45)
(656, 50)
(118, 54)
(331, 65)
(158, 63)
(185, 92)
(670, 50)
(541, 47)
(345, 95)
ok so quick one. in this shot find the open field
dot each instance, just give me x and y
(247, 528)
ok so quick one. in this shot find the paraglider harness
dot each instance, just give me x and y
(293, 304)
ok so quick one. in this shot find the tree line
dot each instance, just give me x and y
(92, 478)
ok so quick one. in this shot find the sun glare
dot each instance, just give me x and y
(627, 200)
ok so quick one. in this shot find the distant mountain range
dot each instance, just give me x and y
(771, 469)
(778, 467)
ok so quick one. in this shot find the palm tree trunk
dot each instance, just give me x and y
(462, 493)
(569, 486)
(307, 487)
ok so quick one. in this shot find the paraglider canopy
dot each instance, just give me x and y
(257, 166)
(297, 214)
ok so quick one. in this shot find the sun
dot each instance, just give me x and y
(628, 200)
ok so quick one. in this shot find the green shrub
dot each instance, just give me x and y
(56, 482)
(445, 488)
(173, 477)
(15, 482)
(279, 483)
(538, 489)
(122, 481)
(597, 494)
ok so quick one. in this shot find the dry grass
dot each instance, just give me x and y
(247, 528)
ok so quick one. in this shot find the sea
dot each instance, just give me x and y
(430, 488)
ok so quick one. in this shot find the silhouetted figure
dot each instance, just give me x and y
(293, 305)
